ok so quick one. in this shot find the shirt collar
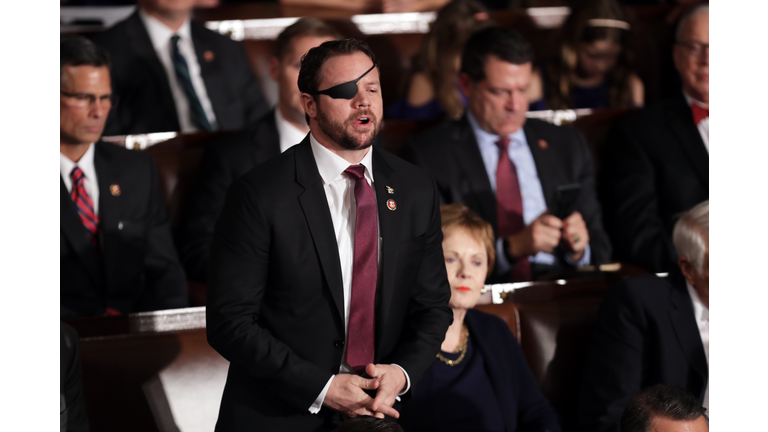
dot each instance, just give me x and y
(700, 311)
(486, 139)
(159, 33)
(689, 100)
(85, 163)
(288, 134)
(331, 166)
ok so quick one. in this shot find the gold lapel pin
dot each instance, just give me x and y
(391, 204)
(543, 144)
(115, 189)
(390, 190)
(209, 56)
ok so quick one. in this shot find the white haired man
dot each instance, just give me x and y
(652, 330)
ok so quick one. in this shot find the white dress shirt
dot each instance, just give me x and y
(701, 313)
(289, 134)
(90, 183)
(160, 35)
(703, 125)
(340, 193)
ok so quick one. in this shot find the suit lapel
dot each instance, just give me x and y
(543, 159)
(209, 63)
(74, 231)
(477, 190)
(109, 204)
(314, 204)
(389, 224)
(684, 323)
(139, 40)
(680, 120)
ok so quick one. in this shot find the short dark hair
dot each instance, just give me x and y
(506, 44)
(306, 26)
(661, 400)
(368, 424)
(312, 62)
(79, 51)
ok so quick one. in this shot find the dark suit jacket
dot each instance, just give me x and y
(275, 296)
(646, 334)
(519, 396)
(73, 418)
(223, 161)
(655, 166)
(146, 104)
(450, 153)
(139, 269)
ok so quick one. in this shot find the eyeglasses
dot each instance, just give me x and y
(85, 100)
(695, 49)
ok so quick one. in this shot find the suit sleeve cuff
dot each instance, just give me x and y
(584, 261)
(502, 263)
(407, 382)
(315, 408)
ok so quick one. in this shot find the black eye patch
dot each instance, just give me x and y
(346, 90)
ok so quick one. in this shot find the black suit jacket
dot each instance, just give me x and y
(450, 153)
(646, 334)
(138, 269)
(223, 161)
(73, 418)
(275, 296)
(655, 166)
(146, 103)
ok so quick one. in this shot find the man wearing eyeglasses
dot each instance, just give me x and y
(116, 250)
(656, 162)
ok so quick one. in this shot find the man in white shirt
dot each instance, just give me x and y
(117, 255)
(327, 278)
(656, 162)
(652, 330)
(175, 75)
(233, 155)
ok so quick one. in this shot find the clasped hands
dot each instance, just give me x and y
(346, 394)
(547, 232)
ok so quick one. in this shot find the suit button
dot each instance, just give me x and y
(338, 344)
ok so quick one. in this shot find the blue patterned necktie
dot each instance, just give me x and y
(199, 118)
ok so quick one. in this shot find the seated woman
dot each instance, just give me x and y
(432, 84)
(480, 380)
(594, 68)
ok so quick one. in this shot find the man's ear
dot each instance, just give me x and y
(274, 68)
(466, 84)
(309, 104)
(689, 271)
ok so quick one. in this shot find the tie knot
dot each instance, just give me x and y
(699, 113)
(77, 175)
(355, 171)
(175, 40)
(503, 143)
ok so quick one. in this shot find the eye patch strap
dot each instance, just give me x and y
(346, 90)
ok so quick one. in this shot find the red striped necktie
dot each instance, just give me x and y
(84, 205)
(360, 338)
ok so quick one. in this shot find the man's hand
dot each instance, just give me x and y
(575, 235)
(346, 395)
(392, 381)
(542, 235)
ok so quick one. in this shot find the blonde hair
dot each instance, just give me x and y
(459, 216)
(689, 232)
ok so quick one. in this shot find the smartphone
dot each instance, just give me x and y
(566, 197)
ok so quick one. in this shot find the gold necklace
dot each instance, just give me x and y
(462, 348)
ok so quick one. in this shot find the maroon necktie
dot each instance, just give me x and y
(360, 337)
(84, 205)
(509, 207)
(699, 113)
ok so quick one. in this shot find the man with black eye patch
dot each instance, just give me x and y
(327, 289)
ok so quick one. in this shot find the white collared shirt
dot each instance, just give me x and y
(703, 125)
(340, 193)
(289, 134)
(90, 183)
(701, 313)
(160, 35)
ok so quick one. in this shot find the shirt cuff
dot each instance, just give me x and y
(584, 261)
(315, 408)
(407, 382)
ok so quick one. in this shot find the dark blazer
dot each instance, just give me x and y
(138, 269)
(223, 161)
(146, 103)
(646, 334)
(519, 396)
(275, 296)
(655, 166)
(450, 153)
(72, 415)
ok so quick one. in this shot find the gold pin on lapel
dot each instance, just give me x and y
(391, 204)
(543, 144)
(209, 56)
(390, 190)
(115, 189)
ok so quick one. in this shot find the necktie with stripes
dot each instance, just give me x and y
(185, 80)
(84, 205)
